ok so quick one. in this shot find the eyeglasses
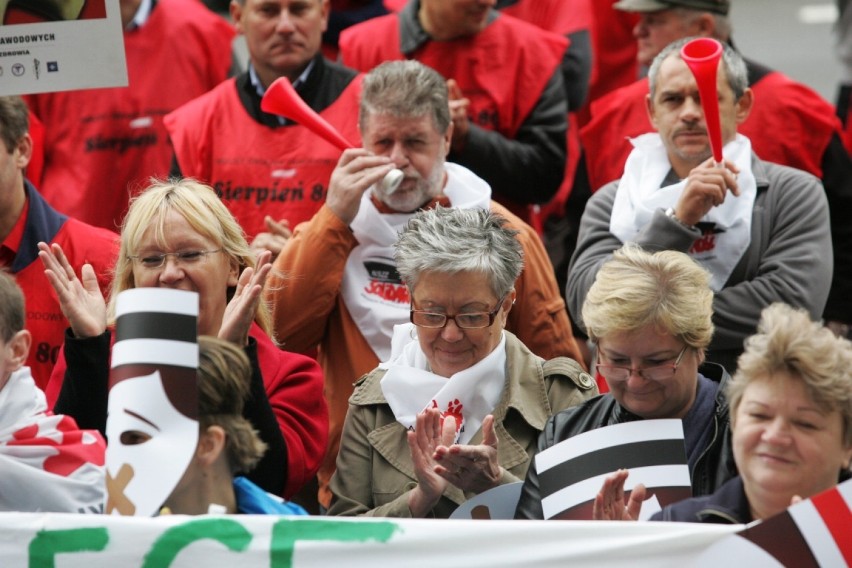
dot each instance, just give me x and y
(471, 320)
(656, 373)
(181, 257)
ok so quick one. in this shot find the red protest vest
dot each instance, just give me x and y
(259, 170)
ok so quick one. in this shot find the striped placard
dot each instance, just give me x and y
(156, 326)
(572, 472)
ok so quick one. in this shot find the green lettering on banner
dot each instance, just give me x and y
(286, 533)
(166, 548)
(47, 544)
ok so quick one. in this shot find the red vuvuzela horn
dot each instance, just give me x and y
(702, 56)
(281, 98)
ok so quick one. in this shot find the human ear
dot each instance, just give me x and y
(211, 444)
(744, 105)
(19, 348)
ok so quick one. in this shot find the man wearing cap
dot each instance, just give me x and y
(789, 124)
(759, 228)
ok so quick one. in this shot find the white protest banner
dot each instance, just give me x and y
(30, 540)
(59, 45)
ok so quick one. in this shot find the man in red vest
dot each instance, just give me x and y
(101, 146)
(506, 89)
(26, 220)
(270, 172)
(790, 124)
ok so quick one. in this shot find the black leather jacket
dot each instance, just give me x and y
(713, 468)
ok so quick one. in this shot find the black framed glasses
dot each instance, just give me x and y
(655, 373)
(181, 257)
(470, 320)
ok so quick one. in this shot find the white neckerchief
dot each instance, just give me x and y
(469, 395)
(371, 288)
(639, 195)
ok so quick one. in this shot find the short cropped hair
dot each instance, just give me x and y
(205, 213)
(665, 289)
(788, 341)
(14, 121)
(451, 240)
(224, 376)
(11, 307)
(405, 89)
(732, 62)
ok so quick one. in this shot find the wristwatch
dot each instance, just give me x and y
(670, 213)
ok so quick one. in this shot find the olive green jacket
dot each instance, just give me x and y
(374, 468)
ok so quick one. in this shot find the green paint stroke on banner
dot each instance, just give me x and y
(47, 544)
(166, 548)
(286, 533)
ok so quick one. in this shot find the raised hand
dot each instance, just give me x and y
(429, 433)
(609, 502)
(274, 238)
(242, 309)
(356, 171)
(459, 106)
(81, 301)
(706, 187)
(471, 468)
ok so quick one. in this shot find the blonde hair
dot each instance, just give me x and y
(666, 289)
(224, 375)
(205, 213)
(787, 340)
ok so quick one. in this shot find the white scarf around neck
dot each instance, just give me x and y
(469, 395)
(371, 288)
(639, 195)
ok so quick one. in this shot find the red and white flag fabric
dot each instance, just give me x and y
(572, 472)
(46, 462)
(814, 533)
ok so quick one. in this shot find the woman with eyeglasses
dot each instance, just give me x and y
(459, 406)
(178, 234)
(650, 317)
(791, 423)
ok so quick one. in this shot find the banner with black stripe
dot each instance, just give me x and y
(157, 329)
(572, 472)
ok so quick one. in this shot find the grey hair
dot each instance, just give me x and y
(451, 240)
(735, 68)
(405, 89)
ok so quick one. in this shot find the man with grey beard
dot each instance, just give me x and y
(334, 285)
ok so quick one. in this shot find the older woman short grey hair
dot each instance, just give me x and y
(460, 240)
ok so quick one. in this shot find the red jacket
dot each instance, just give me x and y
(81, 243)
